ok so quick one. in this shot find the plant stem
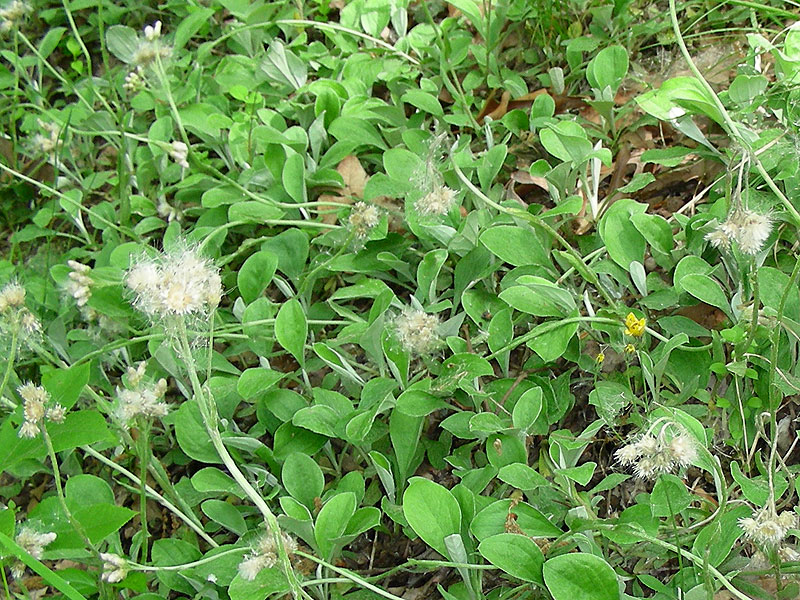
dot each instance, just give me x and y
(578, 261)
(143, 448)
(208, 411)
(12, 355)
(60, 491)
(733, 132)
(153, 493)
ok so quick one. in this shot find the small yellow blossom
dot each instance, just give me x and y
(630, 348)
(633, 326)
(600, 358)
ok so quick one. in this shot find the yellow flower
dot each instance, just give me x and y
(600, 358)
(633, 326)
(630, 348)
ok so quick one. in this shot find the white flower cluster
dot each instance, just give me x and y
(13, 311)
(363, 217)
(12, 13)
(768, 528)
(33, 542)
(747, 228)
(437, 202)
(417, 330)
(35, 409)
(652, 455)
(144, 400)
(176, 283)
(264, 555)
(115, 568)
(134, 81)
(48, 140)
(151, 47)
(79, 285)
(179, 153)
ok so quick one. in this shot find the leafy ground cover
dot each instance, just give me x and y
(392, 299)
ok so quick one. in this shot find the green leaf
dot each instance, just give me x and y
(101, 520)
(706, 289)
(538, 297)
(65, 385)
(251, 211)
(669, 496)
(226, 515)
(655, 230)
(332, 522)
(356, 131)
(551, 344)
(419, 403)
(302, 478)
(517, 555)
(211, 479)
(291, 329)
(623, 241)
(191, 433)
(581, 475)
(293, 177)
(423, 101)
(190, 25)
(256, 381)
(515, 245)
(639, 181)
(608, 68)
(609, 398)
(432, 512)
(268, 582)
(492, 519)
(256, 274)
(122, 42)
(668, 157)
(580, 576)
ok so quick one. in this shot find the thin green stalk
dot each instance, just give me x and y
(578, 261)
(318, 268)
(51, 453)
(697, 561)
(349, 575)
(772, 390)
(756, 300)
(547, 328)
(208, 410)
(193, 523)
(190, 565)
(48, 576)
(730, 125)
(12, 355)
(143, 447)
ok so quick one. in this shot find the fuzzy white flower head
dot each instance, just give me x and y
(177, 283)
(33, 541)
(264, 555)
(684, 449)
(134, 80)
(754, 229)
(115, 568)
(11, 296)
(30, 324)
(363, 217)
(11, 13)
(417, 330)
(179, 153)
(79, 284)
(152, 32)
(56, 413)
(767, 528)
(749, 229)
(28, 430)
(437, 202)
(628, 454)
(144, 401)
